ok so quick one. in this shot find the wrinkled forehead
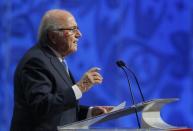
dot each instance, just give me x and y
(63, 18)
(68, 22)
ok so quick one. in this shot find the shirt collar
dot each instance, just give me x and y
(60, 58)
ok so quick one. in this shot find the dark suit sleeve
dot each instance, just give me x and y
(82, 114)
(39, 92)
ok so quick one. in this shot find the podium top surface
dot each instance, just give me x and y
(129, 129)
(119, 113)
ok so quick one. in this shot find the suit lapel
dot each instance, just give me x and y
(61, 70)
(72, 78)
(56, 64)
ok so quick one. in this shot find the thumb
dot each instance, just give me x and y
(94, 69)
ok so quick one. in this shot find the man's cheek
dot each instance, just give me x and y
(66, 44)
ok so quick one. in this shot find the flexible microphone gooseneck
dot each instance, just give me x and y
(131, 92)
(121, 63)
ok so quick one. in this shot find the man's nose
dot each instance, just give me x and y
(78, 33)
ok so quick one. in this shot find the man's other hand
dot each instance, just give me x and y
(98, 110)
(90, 78)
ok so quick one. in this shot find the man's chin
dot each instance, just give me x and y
(73, 50)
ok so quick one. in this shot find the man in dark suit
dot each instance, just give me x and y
(45, 93)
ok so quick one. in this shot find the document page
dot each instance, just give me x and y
(120, 106)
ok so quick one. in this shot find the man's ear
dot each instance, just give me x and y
(52, 37)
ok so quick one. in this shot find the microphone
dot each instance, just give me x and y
(120, 63)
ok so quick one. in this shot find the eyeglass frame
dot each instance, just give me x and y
(73, 29)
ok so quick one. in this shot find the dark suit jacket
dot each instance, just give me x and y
(43, 95)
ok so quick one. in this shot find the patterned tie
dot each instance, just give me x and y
(64, 62)
(65, 66)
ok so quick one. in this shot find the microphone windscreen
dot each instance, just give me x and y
(120, 63)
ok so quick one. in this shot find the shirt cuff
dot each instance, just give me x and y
(77, 92)
(89, 113)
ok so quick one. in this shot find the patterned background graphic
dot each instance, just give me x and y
(154, 37)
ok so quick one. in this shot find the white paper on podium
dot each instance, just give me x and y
(119, 107)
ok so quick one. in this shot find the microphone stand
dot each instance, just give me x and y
(136, 80)
(132, 96)
(120, 63)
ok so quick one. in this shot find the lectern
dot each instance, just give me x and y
(150, 119)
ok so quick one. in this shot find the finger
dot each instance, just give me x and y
(97, 78)
(97, 81)
(105, 111)
(93, 78)
(102, 109)
(94, 69)
(109, 108)
(95, 74)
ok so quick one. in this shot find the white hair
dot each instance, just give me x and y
(51, 21)
(48, 22)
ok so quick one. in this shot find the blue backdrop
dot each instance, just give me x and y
(154, 37)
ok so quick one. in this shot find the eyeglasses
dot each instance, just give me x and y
(71, 29)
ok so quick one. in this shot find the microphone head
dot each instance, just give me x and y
(120, 63)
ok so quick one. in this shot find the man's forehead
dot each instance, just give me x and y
(63, 18)
(70, 21)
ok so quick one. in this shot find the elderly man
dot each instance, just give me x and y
(45, 93)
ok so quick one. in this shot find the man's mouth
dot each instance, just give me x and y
(75, 41)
